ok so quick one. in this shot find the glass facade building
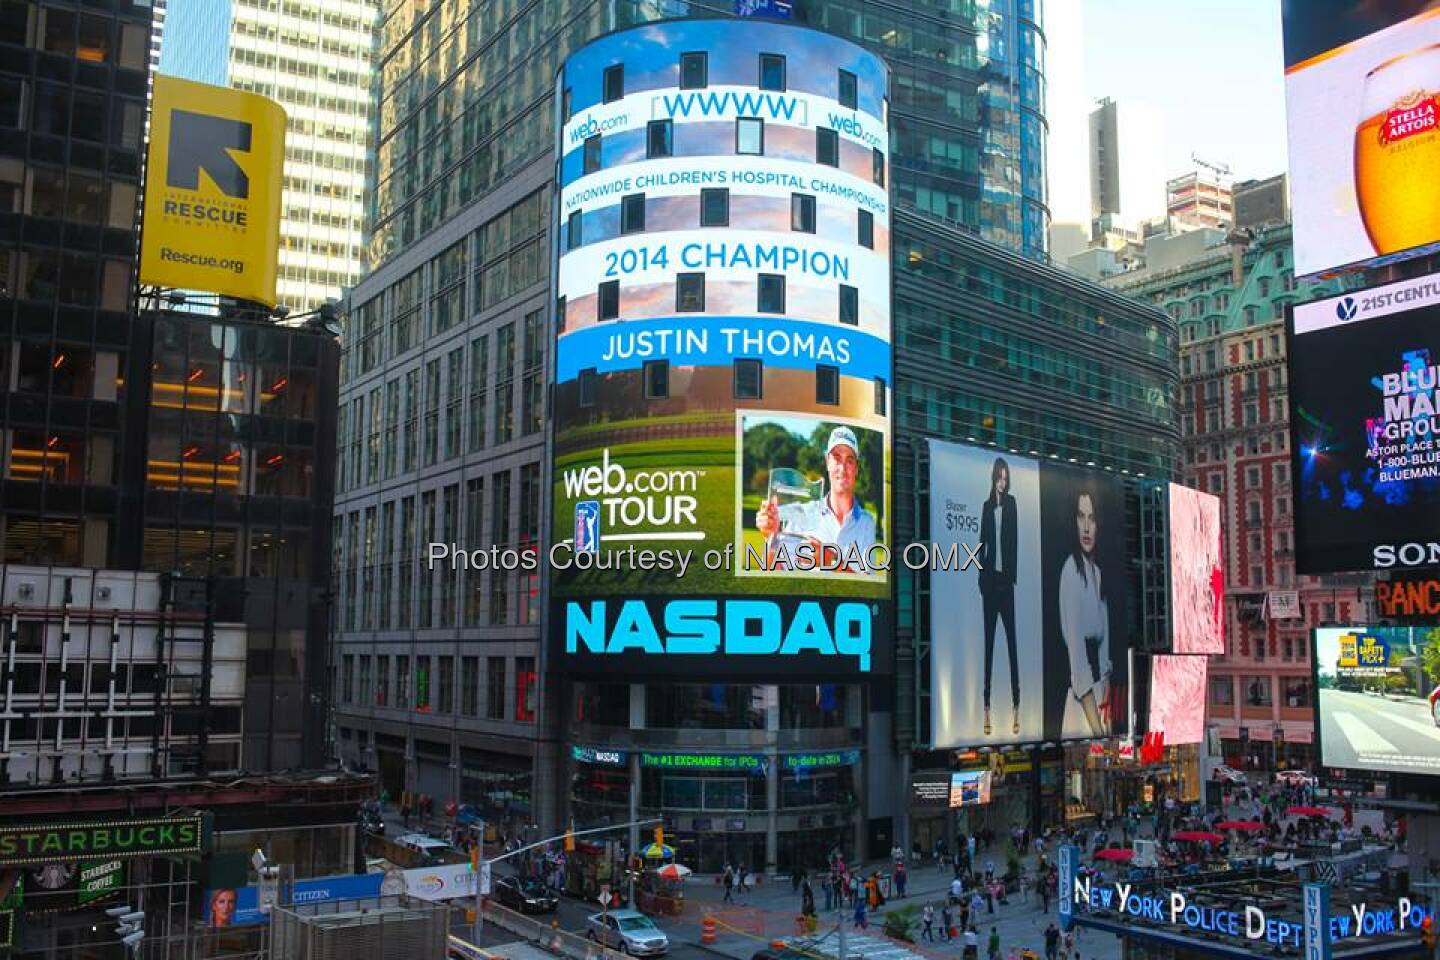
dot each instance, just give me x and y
(436, 347)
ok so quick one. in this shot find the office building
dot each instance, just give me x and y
(1126, 166)
(443, 416)
(1228, 296)
(1200, 199)
(317, 61)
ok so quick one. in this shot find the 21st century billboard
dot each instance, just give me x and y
(1364, 427)
(1378, 702)
(1197, 573)
(1361, 88)
(721, 428)
(1031, 644)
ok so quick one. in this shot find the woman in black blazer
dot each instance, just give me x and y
(997, 580)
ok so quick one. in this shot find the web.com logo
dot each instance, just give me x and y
(1347, 308)
(591, 126)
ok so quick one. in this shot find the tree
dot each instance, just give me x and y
(1430, 655)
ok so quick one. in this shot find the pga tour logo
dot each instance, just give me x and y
(587, 526)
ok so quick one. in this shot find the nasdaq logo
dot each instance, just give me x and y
(749, 628)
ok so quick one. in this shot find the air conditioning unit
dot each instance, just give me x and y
(102, 593)
(25, 591)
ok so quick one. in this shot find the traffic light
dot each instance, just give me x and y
(570, 839)
(1427, 933)
(129, 926)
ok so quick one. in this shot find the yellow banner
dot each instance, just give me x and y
(212, 190)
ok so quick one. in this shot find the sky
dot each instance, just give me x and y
(1213, 69)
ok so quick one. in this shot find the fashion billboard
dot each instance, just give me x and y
(1197, 572)
(1378, 699)
(1364, 428)
(1177, 697)
(1031, 642)
(721, 429)
(1361, 88)
(213, 181)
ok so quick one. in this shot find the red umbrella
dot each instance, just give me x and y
(1198, 836)
(1308, 812)
(1252, 826)
(1115, 853)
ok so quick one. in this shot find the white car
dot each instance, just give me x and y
(629, 931)
(1295, 778)
(431, 850)
(1226, 774)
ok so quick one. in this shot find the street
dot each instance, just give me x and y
(1361, 730)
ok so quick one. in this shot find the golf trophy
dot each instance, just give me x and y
(789, 486)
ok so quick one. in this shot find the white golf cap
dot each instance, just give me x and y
(842, 437)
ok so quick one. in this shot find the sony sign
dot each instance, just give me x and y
(1413, 554)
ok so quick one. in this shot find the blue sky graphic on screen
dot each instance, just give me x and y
(722, 286)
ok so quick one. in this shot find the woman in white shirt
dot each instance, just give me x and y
(1085, 618)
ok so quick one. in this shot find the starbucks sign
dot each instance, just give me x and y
(110, 839)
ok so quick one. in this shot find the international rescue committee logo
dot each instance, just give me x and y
(200, 142)
(1412, 114)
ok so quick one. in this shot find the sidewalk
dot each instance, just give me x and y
(768, 912)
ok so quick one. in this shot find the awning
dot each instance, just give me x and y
(1300, 734)
(1266, 733)
(1228, 732)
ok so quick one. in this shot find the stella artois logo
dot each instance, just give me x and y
(1412, 114)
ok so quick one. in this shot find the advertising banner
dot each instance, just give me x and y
(969, 788)
(1378, 702)
(1410, 597)
(1050, 589)
(723, 358)
(1361, 88)
(213, 183)
(1177, 696)
(1197, 572)
(1365, 430)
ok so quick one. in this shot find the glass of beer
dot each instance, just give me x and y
(1397, 151)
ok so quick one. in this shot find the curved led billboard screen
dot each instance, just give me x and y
(723, 371)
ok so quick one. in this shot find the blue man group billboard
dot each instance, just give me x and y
(723, 365)
(1365, 427)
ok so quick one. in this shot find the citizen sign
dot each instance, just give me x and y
(1415, 554)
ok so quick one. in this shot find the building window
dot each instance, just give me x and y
(609, 300)
(882, 390)
(585, 387)
(877, 166)
(659, 138)
(848, 89)
(657, 379)
(1257, 690)
(495, 688)
(827, 385)
(614, 83)
(1222, 692)
(572, 231)
(694, 71)
(592, 154)
(849, 304)
(802, 213)
(747, 379)
(469, 686)
(749, 136)
(690, 293)
(772, 71)
(715, 207)
(632, 213)
(771, 293)
(827, 147)
(866, 229)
